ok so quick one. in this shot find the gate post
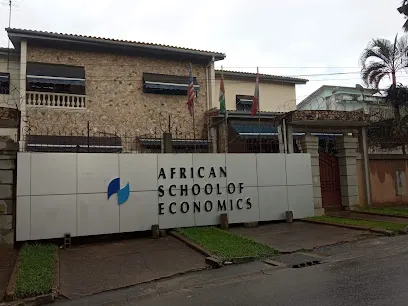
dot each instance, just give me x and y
(347, 148)
(310, 144)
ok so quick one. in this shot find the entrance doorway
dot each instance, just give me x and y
(330, 181)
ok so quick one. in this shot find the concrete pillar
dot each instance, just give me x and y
(310, 144)
(22, 106)
(366, 165)
(289, 131)
(223, 137)
(280, 137)
(213, 133)
(167, 146)
(347, 154)
(8, 154)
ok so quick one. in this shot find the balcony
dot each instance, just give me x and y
(55, 100)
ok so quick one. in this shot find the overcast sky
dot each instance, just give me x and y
(314, 36)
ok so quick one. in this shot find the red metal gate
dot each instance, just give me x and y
(329, 180)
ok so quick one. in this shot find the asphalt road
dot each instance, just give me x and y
(371, 274)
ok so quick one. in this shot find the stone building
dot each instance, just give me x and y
(87, 91)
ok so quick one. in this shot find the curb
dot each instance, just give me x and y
(191, 244)
(355, 227)
(9, 296)
(379, 214)
(210, 259)
(11, 286)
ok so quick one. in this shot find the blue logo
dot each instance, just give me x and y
(114, 187)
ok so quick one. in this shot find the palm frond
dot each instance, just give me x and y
(369, 73)
(380, 49)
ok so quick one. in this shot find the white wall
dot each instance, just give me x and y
(61, 193)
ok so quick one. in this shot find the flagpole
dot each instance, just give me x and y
(194, 133)
(259, 117)
(225, 116)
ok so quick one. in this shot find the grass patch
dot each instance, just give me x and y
(36, 270)
(226, 245)
(386, 211)
(391, 226)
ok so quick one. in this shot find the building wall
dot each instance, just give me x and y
(115, 99)
(273, 97)
(12, 100)
(344, 99)
(386, 189)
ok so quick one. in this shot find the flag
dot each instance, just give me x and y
(190, 92)
(255, 101)
(221, 99)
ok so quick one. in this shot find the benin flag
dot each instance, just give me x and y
(223, 109)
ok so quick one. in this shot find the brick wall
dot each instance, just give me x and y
(115, 99)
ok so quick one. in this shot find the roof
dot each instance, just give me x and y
(62, 39)
(332, 87)
(5, 50)
(262, 77)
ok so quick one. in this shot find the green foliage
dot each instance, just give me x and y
(391, 226)
(226, 244)
(387, 211)
(36, 269)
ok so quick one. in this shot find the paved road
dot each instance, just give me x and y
(366, 273)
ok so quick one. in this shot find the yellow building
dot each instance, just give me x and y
(276, 93)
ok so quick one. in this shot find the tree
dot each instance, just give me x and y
(403, 9)
(382, 59)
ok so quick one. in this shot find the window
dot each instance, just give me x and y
(167, 84)
(55, 78)
(244, 103)
(4, 83)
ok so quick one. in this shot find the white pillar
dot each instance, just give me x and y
(22, 106)
(310, 144)
(347, 147)
(366, 165)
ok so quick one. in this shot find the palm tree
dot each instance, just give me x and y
(403, 9)
(382, 59)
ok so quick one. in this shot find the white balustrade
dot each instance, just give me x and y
(55, 100)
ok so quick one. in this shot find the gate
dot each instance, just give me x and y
(330, 180)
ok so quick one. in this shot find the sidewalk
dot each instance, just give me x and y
(7, 259)
(95, 268)
(291, 237)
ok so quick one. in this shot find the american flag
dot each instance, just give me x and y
(190, 92)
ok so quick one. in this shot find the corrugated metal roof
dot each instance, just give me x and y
(84, 38)
(262, 77)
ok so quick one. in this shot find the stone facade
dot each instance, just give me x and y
(115, 102)
(306, 115)
(8, 153)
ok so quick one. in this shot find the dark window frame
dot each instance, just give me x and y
(243, 103)
(5, 84)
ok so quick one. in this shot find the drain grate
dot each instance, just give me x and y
(306, 264)
(298, 260)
